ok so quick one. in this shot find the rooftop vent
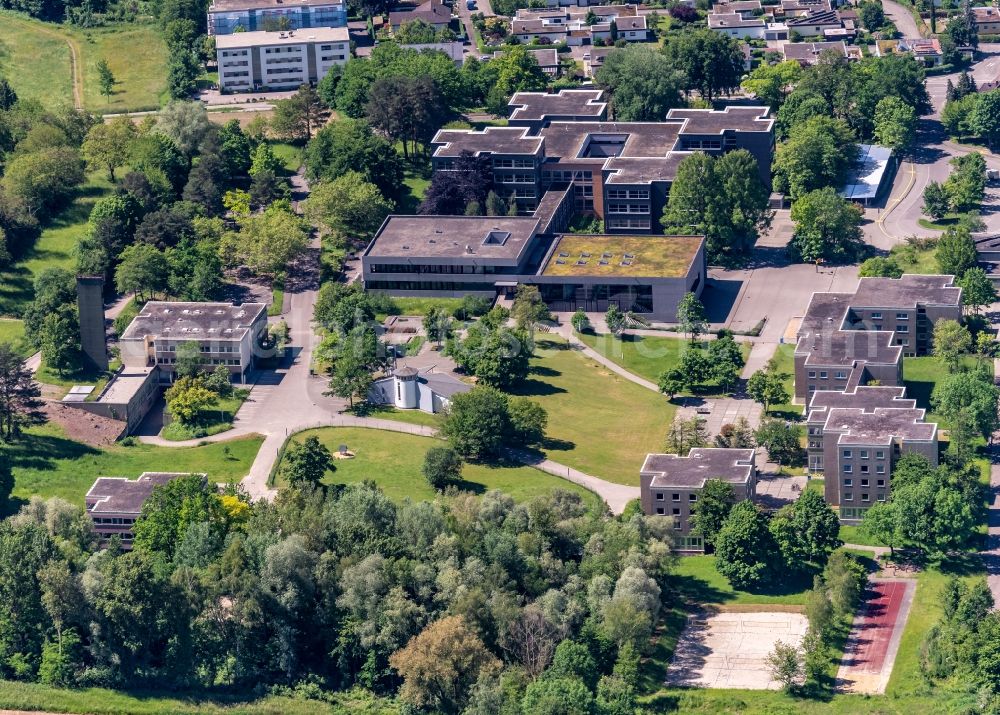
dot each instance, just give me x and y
(560, 262)
(629, 256)
(581, 263)
(605, 255)
(405, 247)
(626, 263)
(584, 255)
(563, 254)
(432, 241)
(468, 248)
(602, 262)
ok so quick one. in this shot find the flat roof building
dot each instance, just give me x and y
(226, 334)
(226, 17)
(670, 485)
(846, 339)
(253, 61)
(115, 503)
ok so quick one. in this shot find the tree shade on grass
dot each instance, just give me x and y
(48, 464)
(395, 462)
(599, 422)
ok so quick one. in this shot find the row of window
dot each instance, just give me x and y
(864, 482)
(863, 454)
(211, 348)
(628, 193)
(676, 497)
(513, 164)
(113, 520)
(283, 50)
(865, 496)
(618, 207)
(879, 469)
(823, 375)
(514, 179)
(332, 58)
(899, 316)
(566, 176)
(213, 361)
(619, 222)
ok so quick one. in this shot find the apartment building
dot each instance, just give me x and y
(255, 61)
(860, 448)
(848, 339)
(115, 503)
(225, 334)
(618, 171)
(548, 60)
(226, 17)
(671, 484)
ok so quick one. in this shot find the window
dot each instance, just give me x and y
(692, 497)
(880, 483)
(659, 510)
(902, 316)
(880, 469)
(876, 316)
(880, 497)
(848, 496)
(659, 496)
(675, 497)
(864, 482)
(676, 511)
(840, 375)
(864, 454)
(848, 482)
(822, 375)
(677, 524)
(812, 373)
(880, 455)
(848, 469)
(864, 469)
(864, 496)
(902, 328)
(847, 454)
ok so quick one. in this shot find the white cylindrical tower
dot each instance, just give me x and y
(406, 397)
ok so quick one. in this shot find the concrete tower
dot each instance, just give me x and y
(90, 301)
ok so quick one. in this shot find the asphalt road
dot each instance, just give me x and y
(901, 18)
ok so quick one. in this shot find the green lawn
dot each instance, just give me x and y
(416, 180)
(784, 358)
(413, 417)
(35, 57)
(35, 60)
(212, 421)
(914, 259)
(921, 374)
(277, 295)
(12, 331)
(697, 579)
(100, 701)
(290, 155)
(644, 355)
(49, 464)
(599, 422)
(55, 247)
(98, 379)
(949, 220)
(394, 461)
(137, 56)
(423, 306)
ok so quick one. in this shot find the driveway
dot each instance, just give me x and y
(901, 18)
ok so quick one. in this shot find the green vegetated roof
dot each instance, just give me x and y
(624, 256)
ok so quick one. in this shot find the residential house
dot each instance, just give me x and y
(808, 53)
(820, 23)
(987, 20)
(926, 51)
(547, 59)
(581, 26)
(434, 12)
(670, 486)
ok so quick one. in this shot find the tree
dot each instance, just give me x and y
(768, 388)
(614, 318)
(683, 435)
(691, 316)
(827, 227)
(306, 463)
(43, 179)
(440, 665)
(973, 392)
(442, 466)
(516, 71)
(343, 146)
(107, 144)
(8, 97)
(268, 242)
(770, 83)
(295, 117)
(710, 511)
(977, 289)
(183, 68)
(476, 422)
(407, 109)
(20, 405)
(187, 398)
(879, 267)
(985, 116)
(454, 192)
(806, 530)
(105, 79)
(872, 16)
(818, 154)
(495, 354)
(348, 207)
(956, 251)
(60, 340)
(580, 321)
(438, 325)
(935, 200)
(895, 123)
(643, 84)
(736, 435)
(951, 341)
(558, 695)
(784, 664)
(966, 185)
(710, 62)
(528, 308)
(528, 421)
(142, 270)
(744, 547)
(780, 439)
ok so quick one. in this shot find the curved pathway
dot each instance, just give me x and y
(75, 65)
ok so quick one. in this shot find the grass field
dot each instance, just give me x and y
(12, 331)
(646, 356)
(698, 580)
(54, 248)
(394, 461)
(97, 378)
(784, 358)
(290, 155)
(36, 59)
(423, 306)
(212, 421)
(99, 701)
(599, 422)
(913, 259)
(921, 374)
(49, 464)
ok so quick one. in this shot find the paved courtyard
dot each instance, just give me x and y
(776, 490)
(721, 411)
(727, 650)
